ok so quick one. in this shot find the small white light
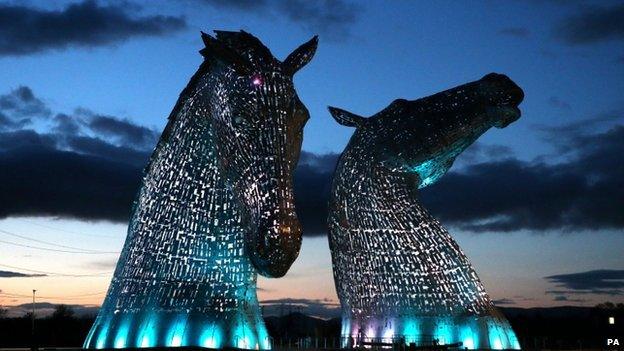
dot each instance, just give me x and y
(611, 320)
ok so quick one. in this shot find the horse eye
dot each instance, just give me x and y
(256, 80)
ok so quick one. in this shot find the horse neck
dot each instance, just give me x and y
(362, 185)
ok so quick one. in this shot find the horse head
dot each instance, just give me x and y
(257, 123)
(425, 136)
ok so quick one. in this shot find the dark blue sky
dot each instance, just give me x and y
(128, 61)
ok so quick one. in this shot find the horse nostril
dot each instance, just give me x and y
(276, 245)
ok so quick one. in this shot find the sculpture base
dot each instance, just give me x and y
(169, 330)
(473, 332)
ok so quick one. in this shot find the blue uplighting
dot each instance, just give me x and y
(122, 334)
(211, 337)
(175, 336)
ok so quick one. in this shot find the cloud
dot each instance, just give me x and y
(49, 182)
(594, 24)
(28, 30)
(331, 18)
(516, 32)
(87, 156)
(108, 264)
(122, 131)
(9, 274)
(312, 186)
(567, 131)
(504, 301)
(585, 191)
(603, 282)
(61, 171)
(18, 107)
(567, 299)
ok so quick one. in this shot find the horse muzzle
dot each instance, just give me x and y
(275, 245)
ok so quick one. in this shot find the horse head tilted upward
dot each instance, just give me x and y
(215, 207)
(398, 272)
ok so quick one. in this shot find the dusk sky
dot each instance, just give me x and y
(538, 207)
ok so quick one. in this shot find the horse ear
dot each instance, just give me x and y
(216, 50)
(346, 118)
(301, 56)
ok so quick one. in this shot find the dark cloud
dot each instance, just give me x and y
(9, 274)
(593, 24)
(330, 18)
(18, 106)
(27, 30)
(51, 182)
(312, 188)
(7, 123)
(62, 173)
(560, 298)
(66, 124)
(604, 281)
(122, 131)
(504, 301)
(583, 192)
(517, 32)
(561, 134)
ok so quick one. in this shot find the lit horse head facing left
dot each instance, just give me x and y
(258, 120)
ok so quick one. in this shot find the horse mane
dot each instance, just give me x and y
(245, 45)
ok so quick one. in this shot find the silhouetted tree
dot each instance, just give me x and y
(62, 312)
(610, 306)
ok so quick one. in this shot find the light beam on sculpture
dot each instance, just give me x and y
(215, 206)
(397, 270)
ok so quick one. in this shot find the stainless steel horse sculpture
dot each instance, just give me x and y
(399, 275)
(215, 206)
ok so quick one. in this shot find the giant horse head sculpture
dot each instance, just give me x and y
(258, 121)
(398, 273)
(425, 136)
(215, 206)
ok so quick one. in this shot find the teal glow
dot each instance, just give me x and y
(444, 334)
(411, 331)
(176, 332)
(122, 334)
(101, 340)
(263, 339)
(243, 336)
(495, 338)
(88, 338)
(211, 337)
(147, 334)
(426, 172)
(468, 337)
(513, 340)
